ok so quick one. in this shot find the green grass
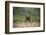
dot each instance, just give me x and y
(35, 19)
(19, 18)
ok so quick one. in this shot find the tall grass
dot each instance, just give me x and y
(19, 18)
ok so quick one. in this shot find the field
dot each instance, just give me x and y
(19, 17)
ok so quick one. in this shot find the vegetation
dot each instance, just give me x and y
(19, 14)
